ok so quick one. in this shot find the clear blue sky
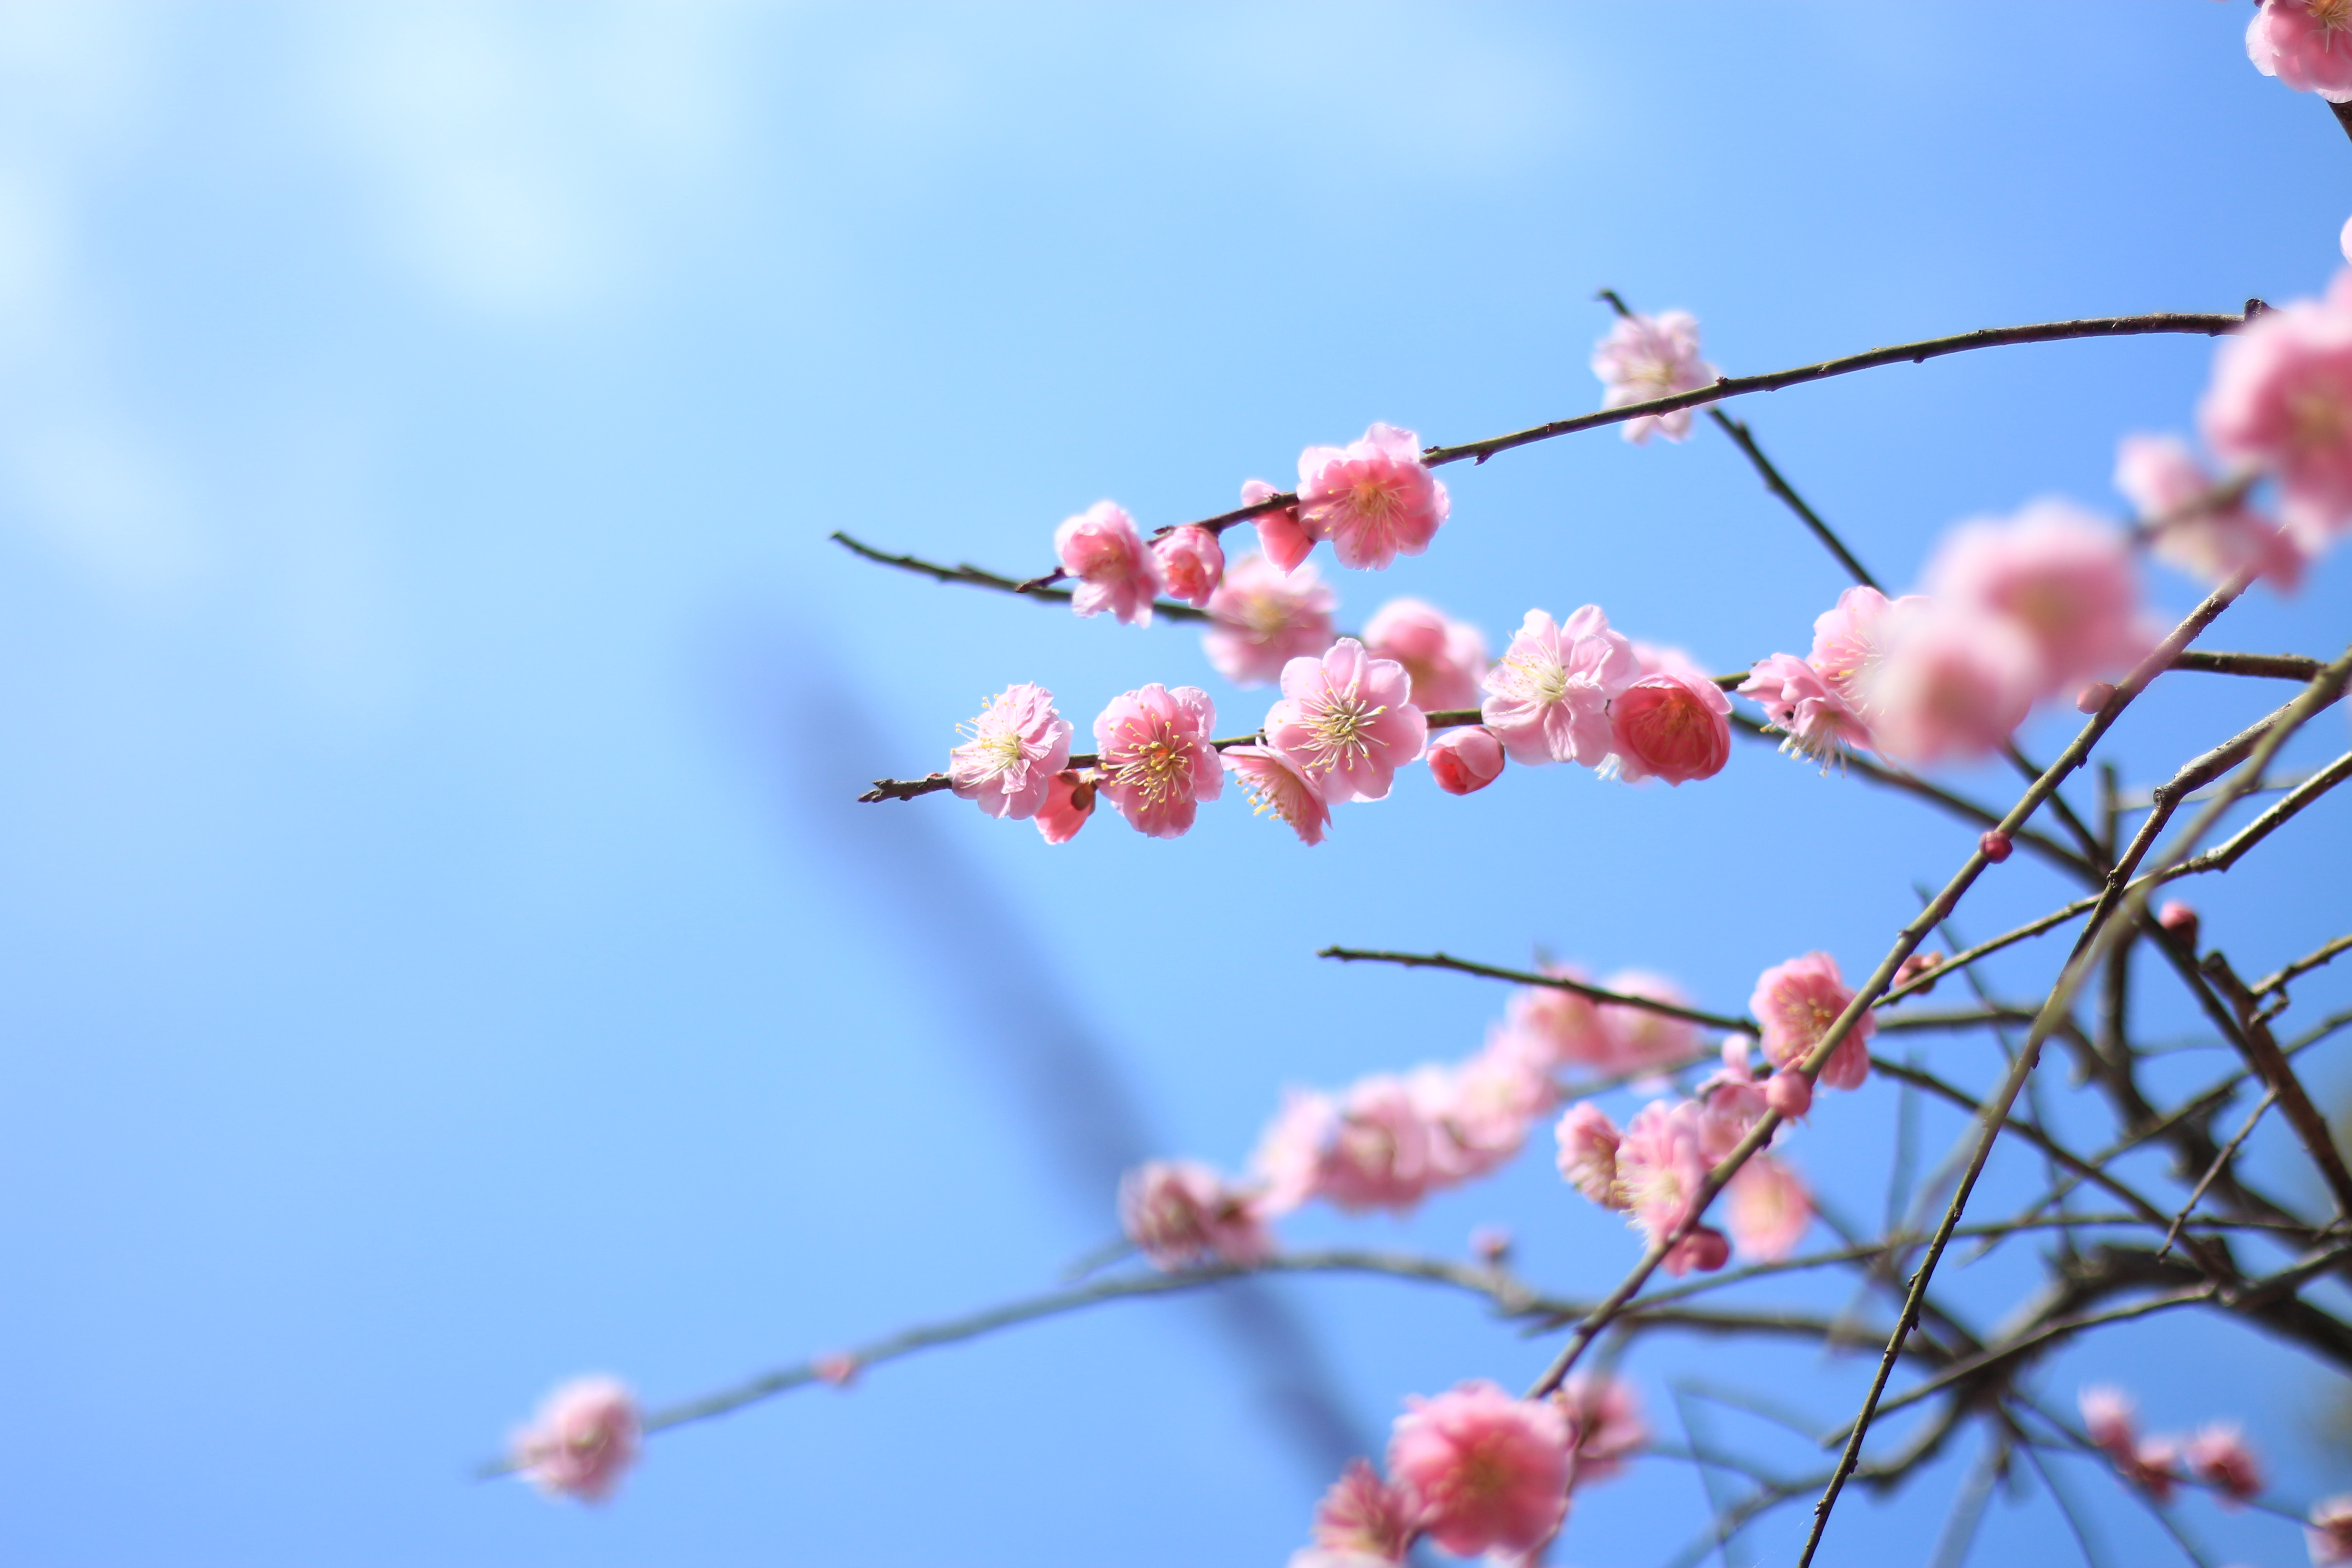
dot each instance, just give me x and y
(436, 954)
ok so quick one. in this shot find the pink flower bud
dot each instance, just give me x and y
(1791, 1093)
(1912, 967)
(838, 1368)
(2219, 1457)
(1069, 801)
(1704, 1249)
(1466, 760)
(2095, 697)
(1192, 564)
(1672, 727)
(1279, 535)
(583, 1439)
(2180, 921)
(2329, 1534)
(1492, 1243)
(1996, 845)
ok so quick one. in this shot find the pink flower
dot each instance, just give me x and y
(1491, 1472)
(2111, 1419)
(2281, 400)
(1373, 1149)
(1264, 618)
(1554, 1028)
(2329, 1535)
(836, 1369)
(2344, 240)
(1479, 1113)
(1466, 759)
(1446, 658)
(1069, 801)
(1797, 1002)
(1605, 1415)
(1365, 1517)
(1850, 641)
(1372, 499)
(1634, 1037)
(1662, 1165)
(1671, 727)
(1275, 785)
(1644, 358)
(1547, 700)
(1290, 1157)
(1913, 968)
(1190, 562)
(1703, 1251)
(1018, 744)
(1157, 762)
(1100, 548)
(2063, 576)
(1732, 1102)
(583, 1439)
(1346, 722)
(1952, 683)
(1769, 1208)
(2153, 1467)
(2307, 44)
(1182, 1213)
(1278, 533)
(1587, 1153)
(2170, 490)
(1797, 700)
(2219, 1457)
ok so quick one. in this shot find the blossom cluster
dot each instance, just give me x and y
(2216, 1456)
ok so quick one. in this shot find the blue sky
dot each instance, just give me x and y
(437, 952)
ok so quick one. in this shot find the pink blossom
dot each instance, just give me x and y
(1917, 966)
(1290, 1157)
(1797, 700)
(1115, 571)
(1372, 1149)
(1491, 1472)
(1192, 564)
(2111, 1419)
(2212, 543)
(2181, 920)
(2307, 44)
(1275, 784)
(1069, 801)
(1635, 1037)
(1346, 722)
(1018, 744)
(1671, 727)
(1661, 1165)
(1952, 683)
(2059, 574)
(1547, 700)
(1703, 1251)
(1554, 1028)
(1156, 763)
(1446, 658)
(1587, 1153)
(1644, 358)
(2281, 400)
(2344, 240)
(1465, 761)
(836, 1369)
(1363, 1517)
(2329, 1535)
(1797, 1002)
(2219, 1456)
(1278, 533)
(1264, 617)
(1182, 1213)
(1769, 1208)
(2095, 698)
(1606, 1414)
(2153, 1467)
(582, 1441)
(1850, 641)
(1372, 499)
(1732, 1102)
(1657, 658)
(1479, 1112)
(1790, 1094)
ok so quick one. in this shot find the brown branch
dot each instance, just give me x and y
(2212, 1172)
(2304, 966)
(1528, 978)
(2261, 1050)
(2264, 666)
(975, 577)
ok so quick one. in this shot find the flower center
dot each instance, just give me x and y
(1156, 765)
(2333, 17)
(1540, 677)
(2319, 413)
(1340, 728)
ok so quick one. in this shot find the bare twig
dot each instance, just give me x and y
(1529, 977)
(2221, 1162)
(2263, 1055)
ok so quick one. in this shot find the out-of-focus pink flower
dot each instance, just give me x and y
(2111, 1419)
(1648, 357)
(1324, 1557)
(2329, 1534)
(1671, 727)
(1278, 533)
(1547, 700)
(1290, 1157)
(1364, 1516)
(1446, 658)
(1703, 1251)
(1587, 1153)
(1913, 968)
(1553, 1028)
(1466, 759)
(1657, 659)
(2344, 240)
(1156, 763)
(2219, 1456)
(1797, 1002)
(1018, 744)
(1192, 564)
(1661, 1165)
(1951, 683)
(2061, 575)
(1605, 1417)
(1790, 1094)
(1372, 499)
(1380, 1152)
(1769, 1208)
(1347, 721)
(837, 1369)
(1732, 1102)
(1265, 616)
(1635, 1037)
(1274, 783)
(2307, 44)
(2153, 1467)
(2171, 491)
(1798, 700)
(1491, 1244)
(1069, 801)
(2095, 698)
(1181, 1214)
(1115, 570)
(1850, 640)
(2181, 920)
(582, 1441)
(2280, 399)
(1490, 1471)
(1479, 1112)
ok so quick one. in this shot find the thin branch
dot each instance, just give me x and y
(2221, 1162)
(1745, 439)
(2092, 1558)
(2263, 666)
(1528, 978)
(2263, 1055)
(1967, 956)
(2303, 965)
(974, 576)
(1968, 1018)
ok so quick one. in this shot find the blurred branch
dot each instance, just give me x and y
(1528, 978)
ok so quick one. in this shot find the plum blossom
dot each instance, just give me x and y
(1769, 1208)
(1648, 357)
(1552, 1026)
(2111, 1419)
(1467, 760)
(1069, 801)
(1605, 1415)
(1490, 1471)
(1288, 1162)
(1372, 499)
(1018, 744)
(2329, 1534)
(1115, 571)
(1587, 1153)
(1278, 533)
(2153, 1467)
(1446, 658)
(2209, 541)
(1371, 1149)
(1797, 1002)
(1263, 617)
(1547, 700)
(1850, 640)
(1346, 722)
(1951, 683)
(1820, 724)
(1364, 1519)
(1192, 564)
(2281, 400)
(1479, 1110)
(582, 1441)
(1633, 1038)
(1275, 783)
(1156, 763)
(1732, 1099)
(2307, 44)
(2060, 575)
(2344, 240)
(2219, 1456)
(1661, 1165)
(1671, 727)
(1182, 1213)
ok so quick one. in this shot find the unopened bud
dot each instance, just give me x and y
(2093, 697)
(1914, 966)
(1790, 1092)
(1492, 1243)
(2180, 921)
(1996, 845)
